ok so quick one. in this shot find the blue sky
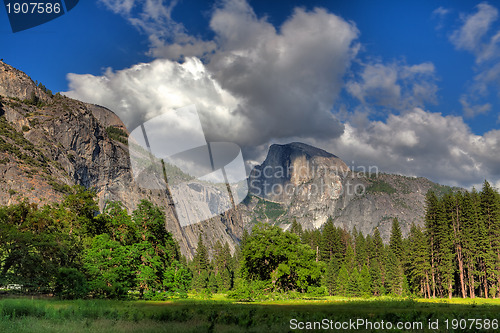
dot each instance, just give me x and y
(409, 86)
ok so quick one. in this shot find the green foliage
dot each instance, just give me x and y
(109, 266)
(378, 185)
(117, 134)
(331, 247)
(268, 210)
(296, 228)
(200, 267)
(281, 258)
(462, 232)
(44, 89)
(63, 188)
(396, 240)
(34, 100)
(16, 144)
(71, 284)
(69, 250)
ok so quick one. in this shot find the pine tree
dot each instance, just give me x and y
(455, 219)
(228, 273)
(200, 266)
(342, 281)
(353, 288)
(330, 278)
(361, 250)
(396, 239)
(432, 213)
(331, 243)
(313, 239)
(296, 228)
(377, 283)
(445, 246)
(364, 282)
(377, 264)
(490, 209)
(378, 246)
(484, 252)
(418, 265)
(470, 239)
(395, 274)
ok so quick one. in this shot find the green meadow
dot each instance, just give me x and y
(220, 314)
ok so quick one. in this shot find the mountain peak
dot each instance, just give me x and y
(17, 84)
(300, 149)
(289, 166)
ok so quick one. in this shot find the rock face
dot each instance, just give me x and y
(16, 84)
(297, 169)
(316, 185)
(59, 141)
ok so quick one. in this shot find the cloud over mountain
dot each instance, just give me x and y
(256, 83)
(260, 83)
(422, 143)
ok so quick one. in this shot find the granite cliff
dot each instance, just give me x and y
(298, 181)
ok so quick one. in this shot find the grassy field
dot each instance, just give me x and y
(221, 315)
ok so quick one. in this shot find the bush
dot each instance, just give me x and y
(317, 291)
(250, 291)
(63, 188)
(71, 284)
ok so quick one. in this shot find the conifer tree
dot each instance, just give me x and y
(296, 228)
(342, 281)
(482, 246)
(378, 271)
(330, 278)
(444, 246)
(330, 242)
(456, 219)
(432, 213)
(364, 282)
(396, 239)
(361, 250)
(353, 288)
(378, 245)
(395, 274)
(200, 266)
(490, 209)
(470, 240)
(377, 283)
(418, 263)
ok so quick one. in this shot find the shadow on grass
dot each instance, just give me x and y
(225, 316)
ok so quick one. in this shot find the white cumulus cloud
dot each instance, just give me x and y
(422, 143)
(397, 86)
(261, 83)
(478, 36)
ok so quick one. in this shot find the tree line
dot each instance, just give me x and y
(456, 252)
(69, 250)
